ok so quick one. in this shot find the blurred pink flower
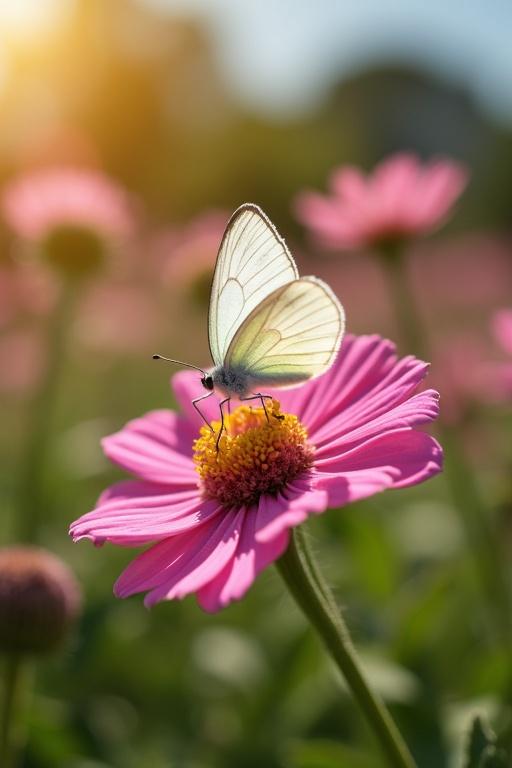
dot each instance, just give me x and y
(470, 273)
(496, 376)
(22, 361)
(502, 329)
(401, 199)
(212, 534)
(42, 200)
(25, 290)
(119, 317)
(456, 364)
(186, 257)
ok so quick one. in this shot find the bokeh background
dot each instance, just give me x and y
(191, 108)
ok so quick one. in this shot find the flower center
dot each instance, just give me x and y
(255, 455)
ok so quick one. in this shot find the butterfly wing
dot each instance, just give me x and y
(293, 335)
(253, 261)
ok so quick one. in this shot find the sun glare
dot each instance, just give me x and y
(25, 18)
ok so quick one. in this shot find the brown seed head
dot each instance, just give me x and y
(39, 599)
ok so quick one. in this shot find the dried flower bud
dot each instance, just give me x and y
(39, 598)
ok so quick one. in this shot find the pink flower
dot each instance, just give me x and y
(187, 256)
(457, 361)
(502, 329)
(119, 317)
(22, 361)
(215, 520)
(402, 198)
(496, 377)
(25, 291)
(37, 202)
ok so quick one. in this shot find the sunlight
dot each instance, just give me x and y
(26, 18)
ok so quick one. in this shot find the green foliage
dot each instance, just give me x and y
(483, 750)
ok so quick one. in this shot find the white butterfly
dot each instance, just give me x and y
(267, 326)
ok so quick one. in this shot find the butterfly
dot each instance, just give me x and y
(267, 327)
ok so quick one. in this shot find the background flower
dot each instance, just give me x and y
(39, 201)
(494, 378)
(400, 199)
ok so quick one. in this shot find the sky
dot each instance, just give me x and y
(282, 56)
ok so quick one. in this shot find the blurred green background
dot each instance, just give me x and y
(196, 107)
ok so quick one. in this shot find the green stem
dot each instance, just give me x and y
(480, 534)
(11, 723)
(466, 494)
(409, 323)
(30, 493)
(299, 570)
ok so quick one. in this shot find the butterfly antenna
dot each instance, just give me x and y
(178, 362)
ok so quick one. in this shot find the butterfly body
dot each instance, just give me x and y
(232, 382)
(267, 326)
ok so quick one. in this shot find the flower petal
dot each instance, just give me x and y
(187, 387)
(502, 329)
(156, 448)
(438, 188)
(177, 566)
(393, 460)
(417, 410)
(132, 513)
(239, 573)
(365, 381)
(289, 508)
(333, 224)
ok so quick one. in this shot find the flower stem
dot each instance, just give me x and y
(30, 492)
(299, 570)
(11, 722)
(473, 512)
(408, 320)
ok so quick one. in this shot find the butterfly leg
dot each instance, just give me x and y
(261, 398)
(197, 400)
(221, 430)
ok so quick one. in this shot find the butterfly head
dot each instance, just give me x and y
(207, 381)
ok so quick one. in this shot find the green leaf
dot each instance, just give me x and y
(324, 753)
(492, 757)
(481, 745)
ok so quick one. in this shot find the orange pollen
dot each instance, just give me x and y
(255, 456)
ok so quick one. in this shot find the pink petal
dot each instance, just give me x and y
(289, 508)
(392, 184)
(394, 460)
(365, 381)
(239, 573)
(156, 448)
(178, 566)
(438, 189)
(417, 410)
(349, 184)
(132, 513)
(331, 222)
(187, 387)
(502, 329)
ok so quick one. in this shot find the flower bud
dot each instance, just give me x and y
(39, 599)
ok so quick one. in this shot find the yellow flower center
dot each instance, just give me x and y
(256, 455)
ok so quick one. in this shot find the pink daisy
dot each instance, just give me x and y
(402, 198)
(214, 521)
(38, 202)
